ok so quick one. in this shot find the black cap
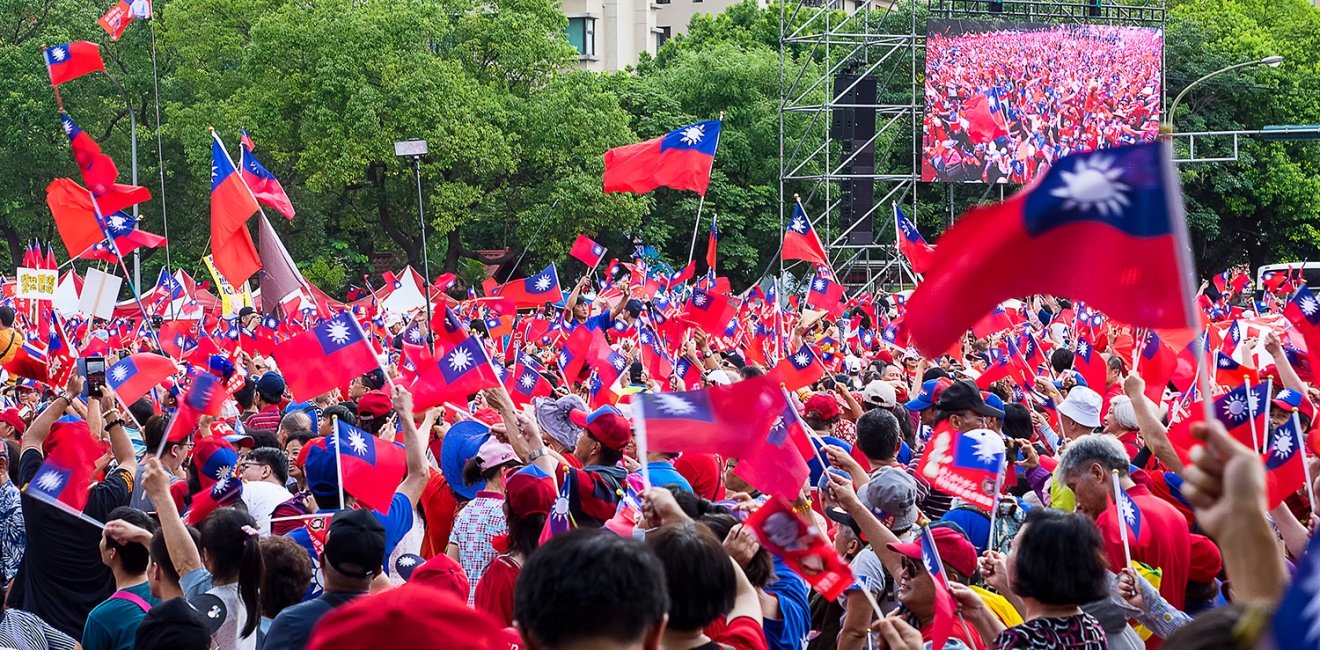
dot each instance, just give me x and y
(245, 312)
(374, 379)
(839, 515)
(634, 307)
(355, 543)
(965, 396)
(173, 625)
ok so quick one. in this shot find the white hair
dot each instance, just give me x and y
(1099, 448)
(1124, 413)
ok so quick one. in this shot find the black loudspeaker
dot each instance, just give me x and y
(853, 127)
(996, 7)
(1094, 10)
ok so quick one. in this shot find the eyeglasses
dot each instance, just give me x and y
(911, 567)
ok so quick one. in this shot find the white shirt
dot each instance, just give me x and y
(261, 498)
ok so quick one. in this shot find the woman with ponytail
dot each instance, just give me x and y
(482, 519)
(228, 566)
(530, 494)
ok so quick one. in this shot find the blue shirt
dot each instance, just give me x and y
(789, 631)
(397, 523)
(293, 627)
(975, 524)
(663, 473)
(113, 624)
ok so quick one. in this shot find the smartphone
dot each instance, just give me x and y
(93, 371)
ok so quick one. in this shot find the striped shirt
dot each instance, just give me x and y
(26, 631)
(478, 522)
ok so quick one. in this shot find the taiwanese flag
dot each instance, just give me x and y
(372, 468)
(825, 294)
(1295, 619)
(64, 478)
(1273, 280)
(800, 240)
(265, 187)
(317, 360)
(235, 255)
(982, 125)
(1156, 366)
(61, 357)
(461, 371)
(731, 420)
(587, 251)
(966, 465)
(525, 383)
(802, 546)
(1089, 363)
(1237, 408)
(945, 605)
(135, 375)
(1000, 366)
(72, 60)
(98, 170)
(1283, 460)
(689, 375)
(680, 159)
(997, 320)
(177, 337)
(799, 370)
(1128, 512)
(577, 352)
(712, 245)
(123, 231)
(1303, 311)
(446, 327)
(206, 396)
(777, 467)
(682, 275)
(1119, 209)
(710, 311)
(1229, 372)
(911, 244)
(534, 291)
(115, 21)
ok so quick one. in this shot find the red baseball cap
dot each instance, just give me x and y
(444, 573)
(10, 416)
(530, 491)
(606, 424)
(822, 406)
(953, 547)
(410, 616)
(374, 403)
(1206, 560)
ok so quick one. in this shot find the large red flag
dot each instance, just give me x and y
(235, 254)
(1283, 460)
(72, 60)
(800, 369)
(372, 468)
(265, 187)
(1156, 366)
(680, 159)
(777, 467)
(800, 240)
(730, 420)
(1115, 215)
(1303, 311)
(319, 359)
(454, 375)
(587, 251)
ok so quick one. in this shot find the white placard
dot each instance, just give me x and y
(100, 290)
(37, 284)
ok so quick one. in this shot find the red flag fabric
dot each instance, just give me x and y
(777, 467)
(315, 361)
(1088, 363)
(534, 291)
(72, 60)
(996, 321)
(800, 369)
(525, 383)
(587, 251)
(1156, 366)
(800, 240)
(731, 420)
(965, 464)
(826, 294)
(712, 246)
(1303, 311)
(65, 475)
(911, 244)
(71, 205)
(135, 375)
(206, 396)
(710, 311)
(802, 546)
(1283, 463)
(98, 170)
(680, 159)
(235, 255)
(1118, 209)
(982, 125)
(454, 375)
(263, 184)
(372, 468)
(115, 21)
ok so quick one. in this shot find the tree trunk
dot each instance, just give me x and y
(15, 243)
(376, 172)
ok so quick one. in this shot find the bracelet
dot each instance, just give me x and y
(536, 453)
(802, 508)
(115, 423)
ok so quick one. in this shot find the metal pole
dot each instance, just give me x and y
(426, 261)
(1272, 61)
(132, 135)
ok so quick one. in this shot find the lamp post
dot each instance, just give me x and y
(1271, 61)
(415, 149)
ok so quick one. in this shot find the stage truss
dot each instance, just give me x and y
(885, 42)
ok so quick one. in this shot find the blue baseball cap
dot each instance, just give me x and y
(930, 390)
(462, 443)
(992, 400)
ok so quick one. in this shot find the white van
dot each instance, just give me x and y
(1310, 272)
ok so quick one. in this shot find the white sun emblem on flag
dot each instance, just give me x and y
(1093, 183)
(414, 335)
(460, 360)
(1283, 443)
(798, 225)
(337, 332)
(1236, 408)
(527, 381)
(1128, 510)
(700, 300)
(220, 484)
(693, 134)
(68, 125)
(1082, 348)
(58, 54)
(618, 363)
(1225, 362)
(357, 443)
(820, 284)
(406, 561)
(987, 448)
(116, 222)
(50, 481)
(672, 404)
(1308, 304)
(542, 283)
(801, 359)
(118, 374)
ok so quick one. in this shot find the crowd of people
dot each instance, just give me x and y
(1003, 104)
(530, 525)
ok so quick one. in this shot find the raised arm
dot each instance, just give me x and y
(418, 470)
(120, 446)
(36, 434)
(1153, 432)
(1287, 374)
(183, 552)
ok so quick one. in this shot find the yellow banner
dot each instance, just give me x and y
(231, 300)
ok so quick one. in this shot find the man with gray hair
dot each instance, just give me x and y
(1087, 468)
(293, 422)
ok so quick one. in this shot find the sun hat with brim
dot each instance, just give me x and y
(556, 418)
(462, 442)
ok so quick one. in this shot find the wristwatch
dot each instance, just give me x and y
(536, 453)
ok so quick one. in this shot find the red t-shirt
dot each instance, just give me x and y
(742, 633)
(963, 632)
(1165, 543)
(495, 590)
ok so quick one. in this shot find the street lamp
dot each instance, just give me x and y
(415, 149)
(1271, 61)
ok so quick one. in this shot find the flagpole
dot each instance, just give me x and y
(339, 464)
(994, 506)
(639, 436)
(160, 147)
(114, 250)
(1122, 524)
(696, 227)
(1300, 441)
(1251, 414)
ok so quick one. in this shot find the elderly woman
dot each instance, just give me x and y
(1121, 422)
(1057, 564)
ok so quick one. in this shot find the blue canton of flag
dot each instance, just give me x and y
(356, 442)
(691, 405)
(337, 333)
(462, 359)
(701, 136)
(1297, 620)
(981, 450)
(1129, 513)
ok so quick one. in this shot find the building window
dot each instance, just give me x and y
(582, 35)
(662, 2)
(661, 35)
